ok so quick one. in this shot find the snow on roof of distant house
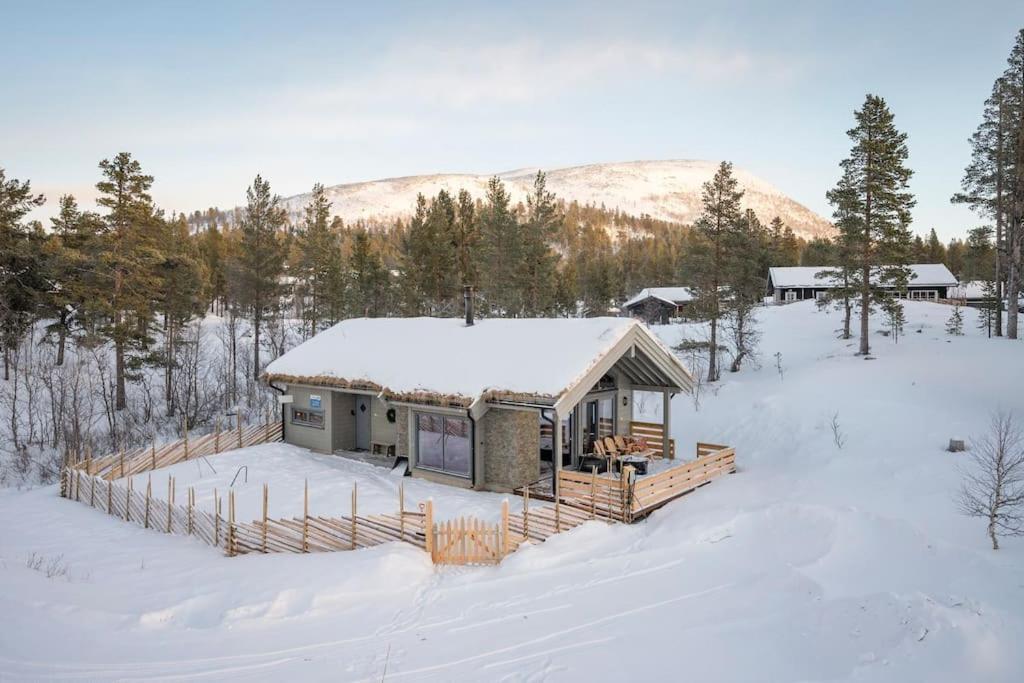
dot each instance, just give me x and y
(922, 275)
(497, 358)
(670, 295)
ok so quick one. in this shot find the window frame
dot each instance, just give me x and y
(468, 475)
(305, 421)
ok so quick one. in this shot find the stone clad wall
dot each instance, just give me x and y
(511, 448)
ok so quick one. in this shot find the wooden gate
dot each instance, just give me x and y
(468, 540)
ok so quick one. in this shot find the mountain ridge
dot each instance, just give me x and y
(666, 190)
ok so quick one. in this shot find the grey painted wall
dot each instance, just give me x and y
(344, 422)
(309, 437)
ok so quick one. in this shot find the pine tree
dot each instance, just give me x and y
(709, 261)
(22, 279)
(259, 263)
(467, 239)
(212, 252)
(182, 281)
(123, 298)
(369, 276)
(749, 245)
(993, 182)
(873, 190)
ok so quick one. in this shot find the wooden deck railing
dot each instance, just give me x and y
(654, 434)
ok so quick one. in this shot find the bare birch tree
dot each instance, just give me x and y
(993, 485)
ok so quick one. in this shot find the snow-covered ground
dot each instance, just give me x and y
(811, 563)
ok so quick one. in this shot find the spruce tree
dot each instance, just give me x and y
(259, 262)
(873, 195)
(537, 265)
(955, 324)
(22, 281)
(501, 251)
(318, 251)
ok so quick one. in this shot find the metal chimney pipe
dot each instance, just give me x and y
(467, 295)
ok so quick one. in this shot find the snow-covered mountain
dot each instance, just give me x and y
(666, 190)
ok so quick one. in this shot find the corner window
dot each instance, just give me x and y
(306, 417)
(444, 443)
(790, 295)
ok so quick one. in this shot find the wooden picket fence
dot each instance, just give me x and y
(108, 485)
(468, 540)
(153, 457)
(653, 433)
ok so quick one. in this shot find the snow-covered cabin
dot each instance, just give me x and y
(473, 404)
(660, 304)
(928, 282)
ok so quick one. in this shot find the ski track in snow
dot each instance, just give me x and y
(810, 563)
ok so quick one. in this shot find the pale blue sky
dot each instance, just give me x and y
(206, 95)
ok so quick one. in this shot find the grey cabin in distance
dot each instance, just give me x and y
(659, 304)
(786, 284)
(474, 405)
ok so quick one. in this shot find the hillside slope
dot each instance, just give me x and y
(666, 190)
(812, 562)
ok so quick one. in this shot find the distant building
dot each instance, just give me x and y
(660, 304)
(972, 293)
(928, 282)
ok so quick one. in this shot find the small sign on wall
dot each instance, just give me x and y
(314, 400)
(285, 398)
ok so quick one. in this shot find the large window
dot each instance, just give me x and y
(444, 443)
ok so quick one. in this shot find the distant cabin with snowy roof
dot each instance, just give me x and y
(660, 304)
(474, 405)
(928, 282)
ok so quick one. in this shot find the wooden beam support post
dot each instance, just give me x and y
(401, 511)
(666, 415)
(216, 437)
(428, 527)
(556, 453)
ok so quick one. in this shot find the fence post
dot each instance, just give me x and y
(626, 485)
(154, 453)
(170, 501)
(149, 492)
(238, 422)
(92, 491)
(558, 516)
(526, 512)
(184, 421)
(305, 517)
(401, 511)
(355, 529)
(266, 427)
(593, 491)
(265, 504)
(110, 496)
(231, 523)
(191, 503)
(121, 456)
(216, 437)
(216, 519)
(78, 485)
(504, 540)
(428, 527)
(128, 502)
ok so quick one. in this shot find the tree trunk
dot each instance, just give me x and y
(1000, 215)
(847, 315)
(992, 532)
(62, 333)
(169, 366)
(256, 346)
(713, 350)
(120, 400)
(7, 364)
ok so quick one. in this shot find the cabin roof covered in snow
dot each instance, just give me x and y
(444, 361)
(922, 275)
(670, 295)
